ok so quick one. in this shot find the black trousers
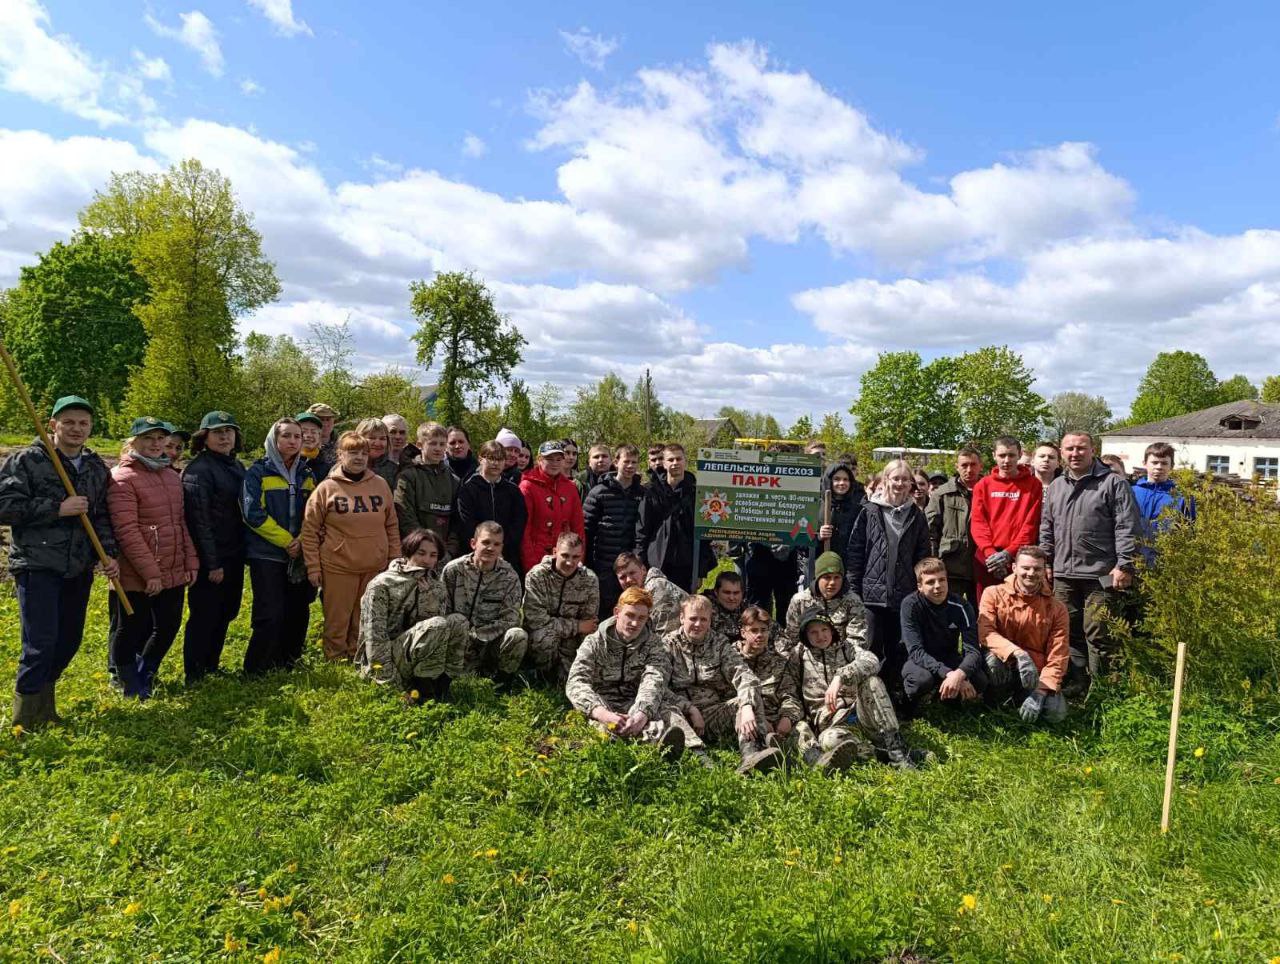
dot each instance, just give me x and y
(212, 607)
(609, 591)
(918, 682)
(139, 643)
(281, 610)
(770, 581)
(52, 611)
(884, 638)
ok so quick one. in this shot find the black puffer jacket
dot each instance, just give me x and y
(664, 528)
(481, 501)
(211, 485)
(609, 517)
(879, 576)
(30, 493)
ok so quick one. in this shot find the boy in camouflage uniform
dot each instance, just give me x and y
(714, 689)
(484, 589)
(619, 677)
(405, 636)
(770, 667)
(831, 595)
(726, 605)
(844, 708)
(667, 596)
(561, 604)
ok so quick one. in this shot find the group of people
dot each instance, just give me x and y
(434, 562)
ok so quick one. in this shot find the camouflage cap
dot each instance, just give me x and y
(324, 410)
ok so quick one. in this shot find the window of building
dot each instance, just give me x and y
(1267, 468)
(1218, 464)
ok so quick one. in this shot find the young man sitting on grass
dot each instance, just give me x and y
(940, 632)
(619, 678)
(843, 707)
(715, 690)
(1025, 633)
(484, 589)
(755, 643)
(561, 606)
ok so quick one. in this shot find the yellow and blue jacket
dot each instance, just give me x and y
(272, 501)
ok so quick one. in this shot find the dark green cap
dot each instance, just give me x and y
(218, 420)
(71, 401)
(308, 417)
(827, 563)
(148, 423)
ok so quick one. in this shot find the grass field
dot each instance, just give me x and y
(312, 816)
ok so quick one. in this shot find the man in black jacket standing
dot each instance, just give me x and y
(609, 516)
(664, 530)
(51, 557)
(489, 496)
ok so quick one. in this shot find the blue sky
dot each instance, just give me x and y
(752, 199)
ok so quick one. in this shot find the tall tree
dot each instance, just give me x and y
(1271, 389)
(458, 323)
(277, 377)
(802, 429)
(834, 435)
(201, 257)
(1237, 388)
(995, 397)
(389, 392)
(1077, 410)
(904, 402)
(1176, 382)
(70, 321)
(605, 412)
(333, 347)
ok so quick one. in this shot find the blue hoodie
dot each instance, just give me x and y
(1152, 498)
(272, 501)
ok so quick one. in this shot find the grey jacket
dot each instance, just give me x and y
(1090, 525)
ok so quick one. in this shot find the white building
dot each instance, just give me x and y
(1238, 438)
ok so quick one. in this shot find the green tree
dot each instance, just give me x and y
(605, 412)
(390, 392)
(333, 347)
(802, 429)
(277, 377)
(1271, 389)
(995, 397)
(458, 323)
(834, 435)
(1076, 410)
(751, 424)
(197, 250)
(902, 401)
(1237, 388)
(1176, 382)
(70, 322)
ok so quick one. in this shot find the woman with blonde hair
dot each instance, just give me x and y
(374, 431)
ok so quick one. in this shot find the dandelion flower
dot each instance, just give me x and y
(10, 851)
(272, 956)
(114, 818)
(413, 694)
(1209, 902)
(411, 735)
(230, 944)
(1118, 902)
(293, 867)
(970, 902)
(788, 863)
(1088, 770)
(632, 927)
(449, 879)
(15, 908)
(115, 839)
(491, 852)
(608, 726)
(837, 859)
(1199, 752)
(542, 756)
(132, 908)
(1006, 866)
(18, 730)
(1048, 898)
(262, 893)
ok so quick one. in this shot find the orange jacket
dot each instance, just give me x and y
(350, 526)
(1009, 620)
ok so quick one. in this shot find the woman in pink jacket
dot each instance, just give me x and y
(157, 557)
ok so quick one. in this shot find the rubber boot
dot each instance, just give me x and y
(28, 711)
(893, 748)
(671, 743)
(51, 705)
(758, 759)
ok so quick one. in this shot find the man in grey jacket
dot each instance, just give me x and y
(1089, 529)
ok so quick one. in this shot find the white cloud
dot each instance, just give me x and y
(250, 87)
(151, 68)
(50, 68)
(473, 146)
(280, 13)
(592, 49)
(196, 32)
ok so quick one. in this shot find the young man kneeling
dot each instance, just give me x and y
(1025, 633)
(714, 689)
(619, 679)
(405, 637)
(485, 591)
(561, 604)
(843, 706)
(940, 632)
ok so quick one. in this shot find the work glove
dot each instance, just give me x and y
(1027, 672)
(1031, 707)
(998, 562)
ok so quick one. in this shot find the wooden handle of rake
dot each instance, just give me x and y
(1173, 737)
(62, 472)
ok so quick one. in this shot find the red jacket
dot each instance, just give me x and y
(1005, 514)
(552, 506)
(151, 529)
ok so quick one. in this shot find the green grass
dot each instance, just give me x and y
(314, 813)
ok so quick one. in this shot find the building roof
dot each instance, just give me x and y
(1243, 420)
(712, 427)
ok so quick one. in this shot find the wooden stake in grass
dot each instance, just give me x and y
(1173, 737)
(57, 465)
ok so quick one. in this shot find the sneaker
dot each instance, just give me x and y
(839, 758)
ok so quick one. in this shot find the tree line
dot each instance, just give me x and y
(137, 312)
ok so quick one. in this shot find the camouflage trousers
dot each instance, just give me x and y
(427, 649)
(868, 715)
(720, 720)
(1005, 682)
(553, 653)
(502, 655)
(669, 717)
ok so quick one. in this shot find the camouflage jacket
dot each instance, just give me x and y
(708, 671)
(393, 603)
(619, 675)
(811, 670)
(846, 612)
(771, 669)
(724, 622)
(559, 603)
(488, 599)
(667, 597)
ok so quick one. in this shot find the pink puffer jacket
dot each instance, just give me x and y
(146, 513)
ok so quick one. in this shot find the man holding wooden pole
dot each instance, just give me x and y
(52, 555)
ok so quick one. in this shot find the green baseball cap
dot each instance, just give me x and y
(218, 420)
(71, 401)
(149, 423)
(308, 417)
